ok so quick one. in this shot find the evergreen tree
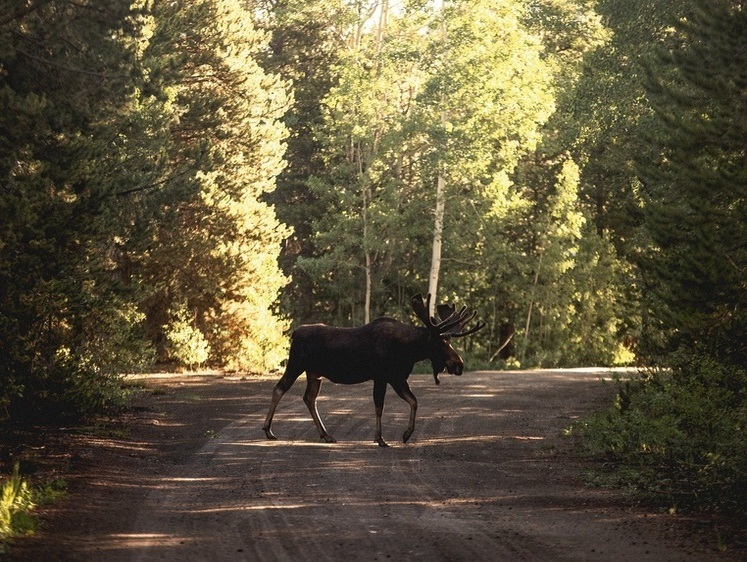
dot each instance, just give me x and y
(696, 193)
(137, 141)
(679, 432)
(65, 91)
(307, 39)
(207, 246)
(607, 111)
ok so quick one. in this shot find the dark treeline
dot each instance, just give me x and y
(183, 182)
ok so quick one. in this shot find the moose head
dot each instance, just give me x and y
(451, 324)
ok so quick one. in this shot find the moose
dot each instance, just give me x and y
(384, 350)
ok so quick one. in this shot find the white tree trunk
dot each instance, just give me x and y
(438, 230)
(531, 306)
(366, 192)
(438, 227)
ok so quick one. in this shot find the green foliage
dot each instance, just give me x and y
(694, 193)
(472, 94)
(16, 504)
(678, 433)
(207, 241)
(469, 93)
(185, 343)
(18, 499)
(65, 95)
(136, 143)
(677, 436)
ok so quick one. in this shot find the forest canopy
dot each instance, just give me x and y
(183, 182)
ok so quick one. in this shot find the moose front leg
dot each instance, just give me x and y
(379, 392)
(403, 391)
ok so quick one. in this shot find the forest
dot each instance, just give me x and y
(183, 182)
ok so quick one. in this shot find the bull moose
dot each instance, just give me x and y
(384, 350)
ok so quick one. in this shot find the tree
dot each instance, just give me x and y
(451, 127)
(306, 41)
(487, 94)
(363, 211)
(608, 111)
(531, 224)
(137, 141)
(677, 432)
(211, 245)
(695, 196)
(66, 94)
(387, 141)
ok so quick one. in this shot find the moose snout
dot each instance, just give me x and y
(455, 367)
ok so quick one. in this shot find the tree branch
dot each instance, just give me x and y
(150, 185)
(69, 68)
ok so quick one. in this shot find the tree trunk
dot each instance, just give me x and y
(531, 306)
(438, 230)
(366, 193)
(367, 253)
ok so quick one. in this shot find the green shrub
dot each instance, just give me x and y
(677, 435)
(16, 503)
(186, 343)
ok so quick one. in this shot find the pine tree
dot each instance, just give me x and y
(65, 91)
(306, 42)
(696, 193)
(208, 246)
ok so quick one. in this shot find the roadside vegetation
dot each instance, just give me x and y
(18, 499)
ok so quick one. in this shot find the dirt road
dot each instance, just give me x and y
(486, 476)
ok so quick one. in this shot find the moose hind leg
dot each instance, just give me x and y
(313, 386)
(282, 386)
(379, 392)
(403, 391)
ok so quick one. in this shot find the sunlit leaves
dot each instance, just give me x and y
(215, 244)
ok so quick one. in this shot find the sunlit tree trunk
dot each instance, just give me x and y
(438, 230)
(531, 307)
(438, 219)
(367, 256)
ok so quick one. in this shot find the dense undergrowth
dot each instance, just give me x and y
(676, 437)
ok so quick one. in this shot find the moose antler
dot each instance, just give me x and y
(460, 334)
(421, 308)
(450, 318)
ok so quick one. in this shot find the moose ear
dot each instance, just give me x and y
(420, 308)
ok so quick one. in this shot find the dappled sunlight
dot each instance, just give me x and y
(131, 447)
(480, 439)
(223, 509)
(284, 444)
(140, 540)
(128, 543)
(193, 479)
(481, 458)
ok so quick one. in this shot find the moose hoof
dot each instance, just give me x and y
(381, 442)
(329, 439)
(269, 434)
(407, 435)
